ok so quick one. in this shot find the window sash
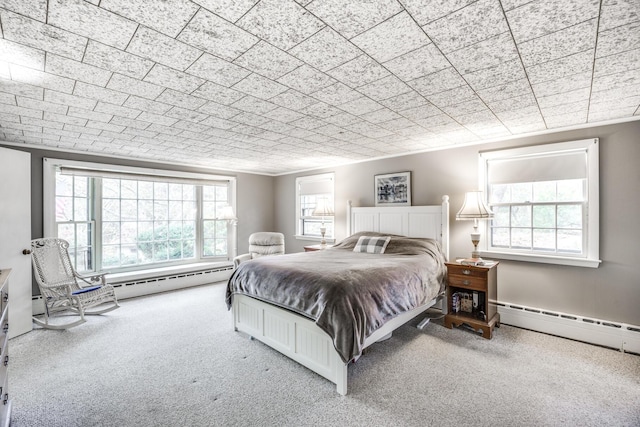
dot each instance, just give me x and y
(194, 246)
(308, 189)
(559, 163)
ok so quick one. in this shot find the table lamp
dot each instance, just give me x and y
(474, 208)
(323, 209)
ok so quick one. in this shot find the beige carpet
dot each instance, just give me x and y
(173, 360)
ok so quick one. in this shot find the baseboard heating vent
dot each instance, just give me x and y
(155, 284)
(616, 335)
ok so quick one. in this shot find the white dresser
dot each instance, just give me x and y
(5, 403)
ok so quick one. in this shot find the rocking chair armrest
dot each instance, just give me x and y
(93, 279)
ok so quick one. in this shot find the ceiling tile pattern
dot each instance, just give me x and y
(276, 86)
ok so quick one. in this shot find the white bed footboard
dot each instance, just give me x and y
(301, 339)
(294, 336)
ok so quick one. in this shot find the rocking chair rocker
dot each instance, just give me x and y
(63, 289)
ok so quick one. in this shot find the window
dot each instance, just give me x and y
(545, 203)
(311, 191)
(119, 219)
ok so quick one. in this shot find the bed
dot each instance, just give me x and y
(323, 308)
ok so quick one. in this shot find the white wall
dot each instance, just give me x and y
(610, 292)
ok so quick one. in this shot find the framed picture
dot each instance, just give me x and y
(393, 189)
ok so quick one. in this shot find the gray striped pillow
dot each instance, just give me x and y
(371, 244)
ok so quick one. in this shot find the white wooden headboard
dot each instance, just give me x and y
(411, 221)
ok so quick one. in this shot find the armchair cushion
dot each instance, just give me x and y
(262, 244)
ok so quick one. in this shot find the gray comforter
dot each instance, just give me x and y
(348, 294)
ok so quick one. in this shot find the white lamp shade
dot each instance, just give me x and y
(474, 207)
(227, 213)
(323, 208)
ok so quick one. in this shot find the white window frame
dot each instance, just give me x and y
(330, 238)
(591, 225)
(51, 165)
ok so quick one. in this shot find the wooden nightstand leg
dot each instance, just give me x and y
(487, 332)
(448, 323)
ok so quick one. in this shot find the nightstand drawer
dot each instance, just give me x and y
(468, 282)
(465, 270)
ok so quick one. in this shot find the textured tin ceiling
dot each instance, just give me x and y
(276, 86)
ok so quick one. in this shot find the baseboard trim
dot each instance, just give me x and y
(156, 284)
(621, 336)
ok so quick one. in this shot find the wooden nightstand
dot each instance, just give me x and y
(312, 248)
(471, 297)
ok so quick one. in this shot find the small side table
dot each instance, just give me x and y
(313, 248)
(475, 288)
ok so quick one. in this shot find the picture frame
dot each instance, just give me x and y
(393, 189)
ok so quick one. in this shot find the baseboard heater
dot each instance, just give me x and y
(616, 335)
(155, 284)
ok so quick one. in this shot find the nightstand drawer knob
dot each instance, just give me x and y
(466, 282)
(467, 272)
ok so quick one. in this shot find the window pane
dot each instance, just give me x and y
(571, 190)
(188, 229)
(64, 208)
(145, 210)
(80, 187)
(188, 249)
(64, 185)
(175, 191)
(501, 216)
(80, 209)
(129, 189)
(129, 232)
(188, 192)
(544, 191)
(145, 231)
(544, 216)
(544, 240)
(160, 251)
(160, 190)
(500, 237)
(83, 235)
(209, 229)
(221, 193)
(570, 241)
(208, 210)
(521, 216)
(521, 238)
(160, 230)
(129, 210)
(111, 188)
(111, 233)
(129, 255)
(110, 256)
(570, 216)
(161, 210)
(145, 190)
(67, 232)
(521, 193)
(500, 193)
(208, 192)
(110, 209)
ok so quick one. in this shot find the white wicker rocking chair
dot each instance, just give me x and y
(63, 289)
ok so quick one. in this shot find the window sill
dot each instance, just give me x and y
(315, 239)
(575, 262)
(164, 271)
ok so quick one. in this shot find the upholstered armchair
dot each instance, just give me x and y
(262, 244)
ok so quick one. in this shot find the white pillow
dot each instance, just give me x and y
(371, 244)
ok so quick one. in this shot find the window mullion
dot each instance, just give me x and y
(199, 250)
(96, 235)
